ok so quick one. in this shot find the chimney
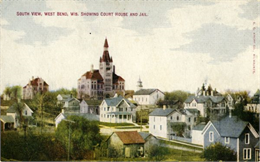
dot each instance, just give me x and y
(164, 107)
(114, 69)
(92, 68)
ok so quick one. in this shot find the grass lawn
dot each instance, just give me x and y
(179, 145)
(131, 127)
(178, 155)
(115, 124)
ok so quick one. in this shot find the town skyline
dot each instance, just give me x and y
(165, 55)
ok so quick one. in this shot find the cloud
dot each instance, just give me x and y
(221, 42)
(33, 33)
(250, 10)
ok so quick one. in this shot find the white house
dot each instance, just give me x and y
(148, 96)
(64, 115)
(90, 106)
(61, 98)
(196, 133)
(26, 112)
(117, 110)
(161, 119)
(254, 105)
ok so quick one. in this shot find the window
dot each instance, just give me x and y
(171, 117)
(247, 153)
(104, 109)
(25, 112)
(227, 139)
(211, 136)
(189, 119)
(247, 138)
(160, 127)
(108, 108)
(195, 119)
(177, 118)
(120, 109)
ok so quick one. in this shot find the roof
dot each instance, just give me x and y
(35, 81)
(193, 111)
(93, 102)
(144, 134)
(116, 100)
(88, 116)
(200, 126)
(12, 108)
(130, 137)
(145, 91)
(106, 44)
(71, 99)
(95, 75)
(117, 78)
(230, 127)
(162, 112)
(202, 99)
(7, 118)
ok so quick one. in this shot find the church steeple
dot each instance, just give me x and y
(139, 84)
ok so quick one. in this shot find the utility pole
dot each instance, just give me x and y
(70, 121)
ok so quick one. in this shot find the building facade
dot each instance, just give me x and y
(36, 85)
(117, 110)
(162, 119)
(207, 102)
(102, 82)
(234, 133)
(148, 96)
(254, 105)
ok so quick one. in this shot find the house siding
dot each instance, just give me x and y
(217, 138)
(158, 121)
(251, 144)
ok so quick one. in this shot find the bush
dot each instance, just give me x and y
(217, 152)
(31, 147)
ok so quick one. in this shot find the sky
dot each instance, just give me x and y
(179, 45)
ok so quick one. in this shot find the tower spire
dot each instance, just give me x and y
(105, 45)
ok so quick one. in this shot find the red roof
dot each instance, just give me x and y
(106, 57)
(35, 81)
(130, 137)
(94, 76)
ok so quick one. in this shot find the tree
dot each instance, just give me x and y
(19, 106)
(158, 153)
(217, 152)
(8, 92)
(179, 127)
(84, 135)
(177, 95)
(16, 92)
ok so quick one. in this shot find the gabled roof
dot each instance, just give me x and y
(88, 116)
(95, 75)
(146, 91)
(231, 126)
(34, 82)
(12, 109)
(92, 102)
(162, 112)
(193, 111)
(116, 100)
(203, 99)
(130, 137)
(7, 119)
(145, 135)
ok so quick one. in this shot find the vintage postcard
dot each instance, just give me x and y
(129, 80)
